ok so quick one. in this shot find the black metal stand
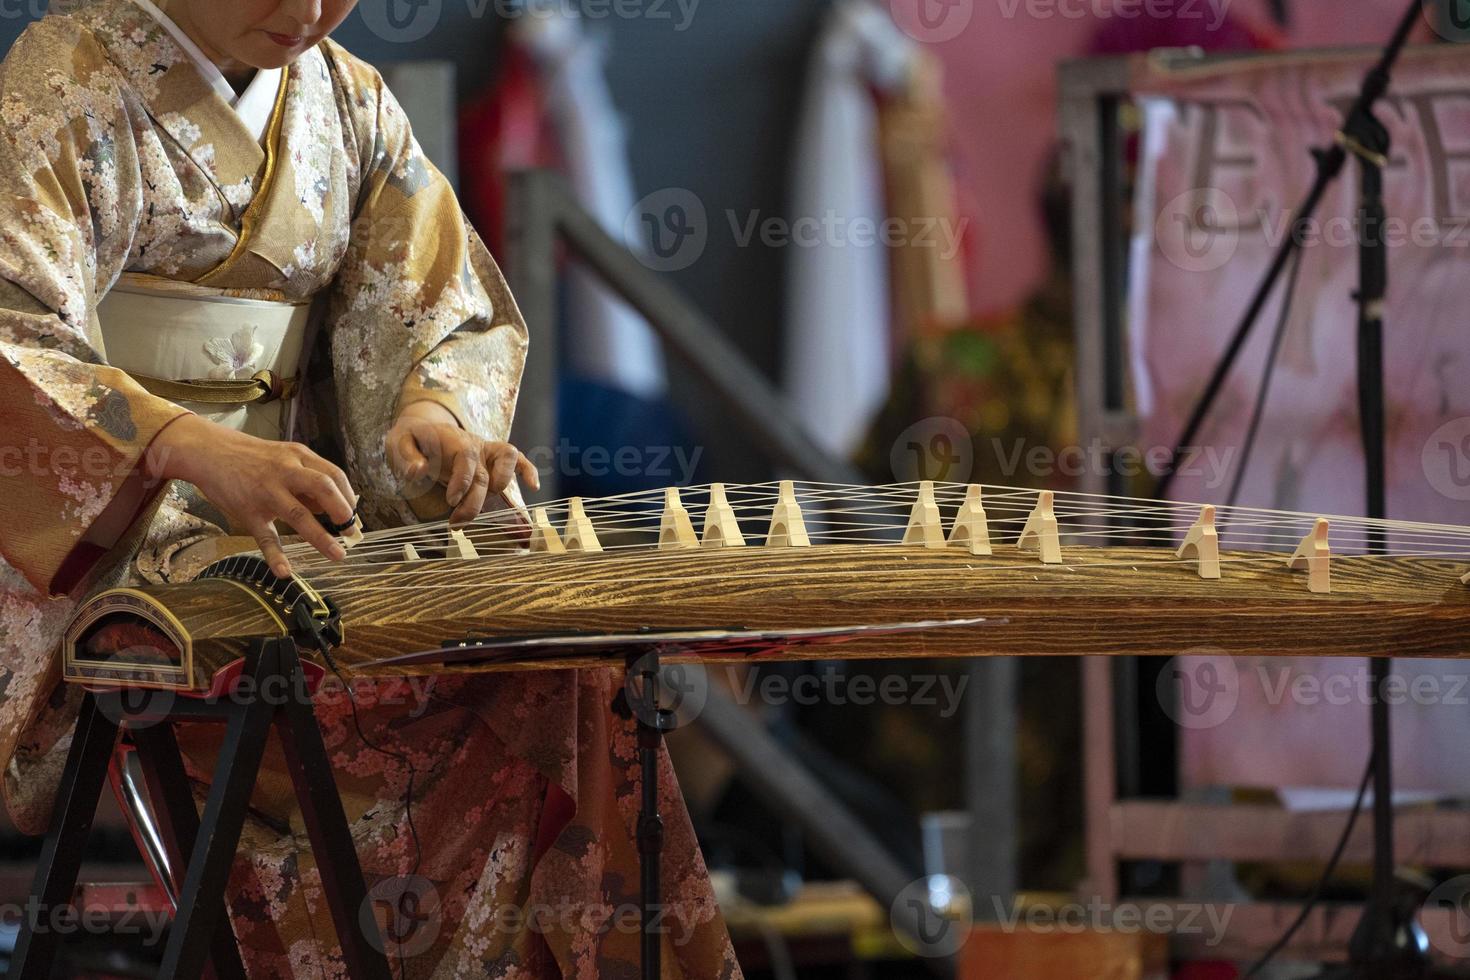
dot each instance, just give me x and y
(640, 699)
(201, 934)
(1389, 943)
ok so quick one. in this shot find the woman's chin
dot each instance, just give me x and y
(266, 54)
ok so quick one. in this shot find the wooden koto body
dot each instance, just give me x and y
(1095, 600)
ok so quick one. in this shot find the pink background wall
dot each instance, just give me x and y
(1000, 84)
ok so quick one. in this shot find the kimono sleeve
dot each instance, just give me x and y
(74, 430)
(419, 309)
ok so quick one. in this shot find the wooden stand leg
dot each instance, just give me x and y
(201, 933)
(326, 826)
(200, 910)
(55, 882)
(178, 820)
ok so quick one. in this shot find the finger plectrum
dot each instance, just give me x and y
(349, 531)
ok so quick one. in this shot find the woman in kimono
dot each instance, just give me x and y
(160, 172)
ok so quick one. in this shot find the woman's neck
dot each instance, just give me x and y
(237, 73)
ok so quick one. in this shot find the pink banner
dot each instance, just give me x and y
(1224, 159)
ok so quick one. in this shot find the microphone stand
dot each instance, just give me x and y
(1388, 943)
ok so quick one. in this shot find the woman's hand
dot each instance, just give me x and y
(426, 446)
(256, 482)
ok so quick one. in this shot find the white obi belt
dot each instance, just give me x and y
(230, 359)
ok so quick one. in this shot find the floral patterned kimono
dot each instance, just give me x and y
(118, 155)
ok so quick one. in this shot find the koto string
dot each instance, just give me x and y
(382, 542)
(1009, 500)
(881, 513)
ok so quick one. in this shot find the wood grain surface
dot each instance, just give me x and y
(1099, 601)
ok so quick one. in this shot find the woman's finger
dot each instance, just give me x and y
(270, 548)
(338, 476)
(502, 464)
(466, 464)
(474, 499)
(323, 491)
(299, 516)
(527, 470)
(409, 458)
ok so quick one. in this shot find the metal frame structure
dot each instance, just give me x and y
(1121, 826)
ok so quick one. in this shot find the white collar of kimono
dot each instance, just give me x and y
(254, 105)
